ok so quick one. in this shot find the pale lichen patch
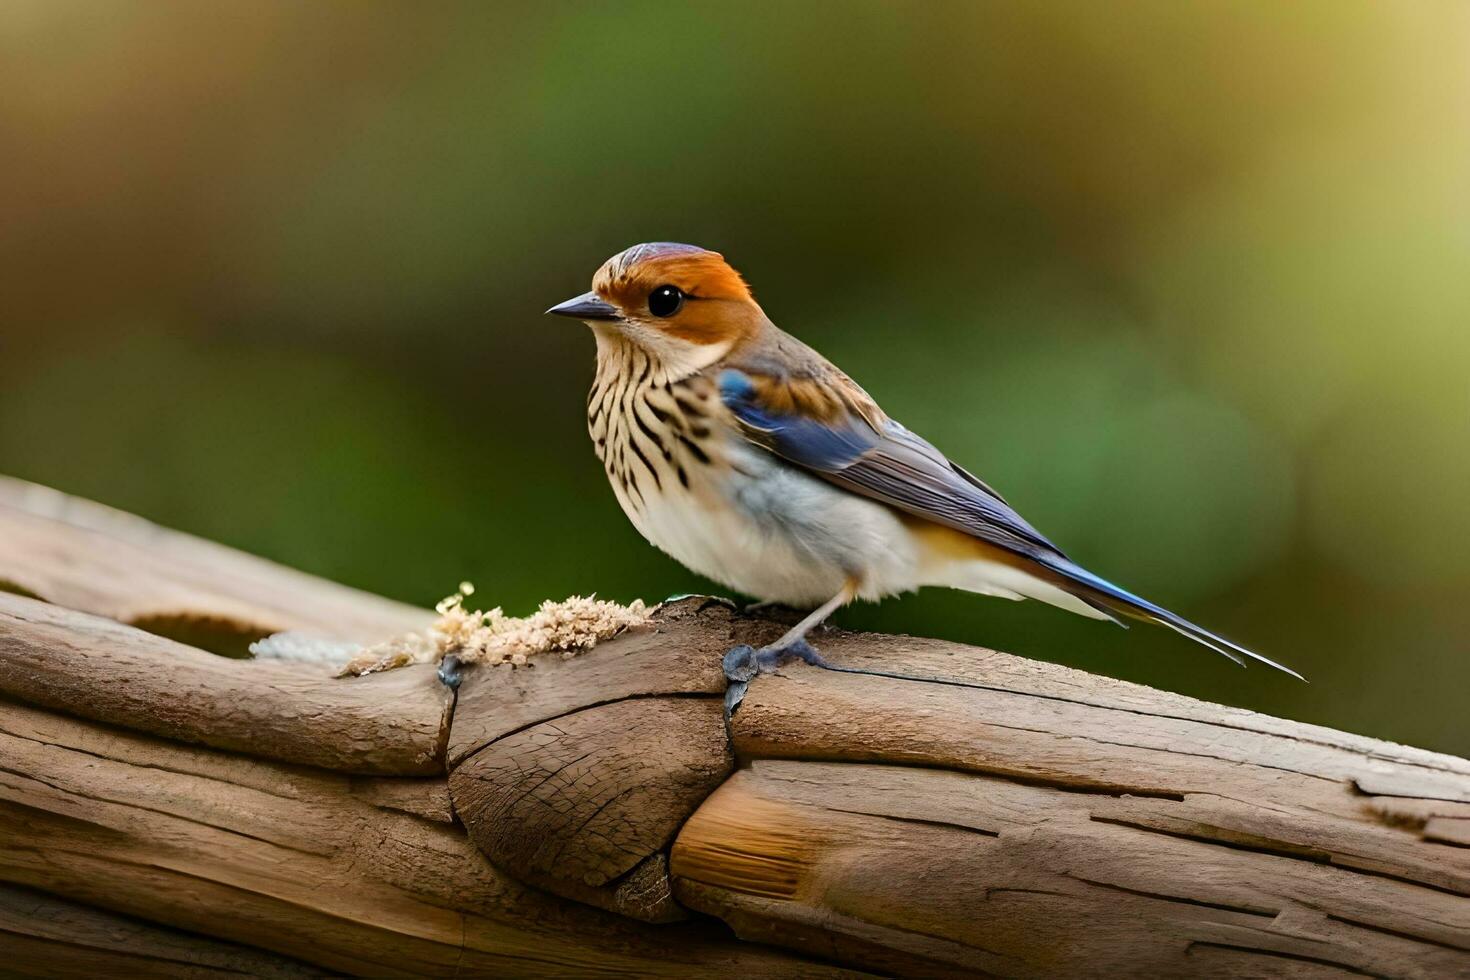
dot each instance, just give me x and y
(569, 627)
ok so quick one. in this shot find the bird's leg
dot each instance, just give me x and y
(744, 662)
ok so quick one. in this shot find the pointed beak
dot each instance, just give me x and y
(588, 306)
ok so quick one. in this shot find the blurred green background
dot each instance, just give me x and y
(1187, 282)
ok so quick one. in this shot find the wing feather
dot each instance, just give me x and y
(820, 420)
(878, 459)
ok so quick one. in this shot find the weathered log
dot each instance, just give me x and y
(578, 803)
(92, 558)
(391, 723)
(1159, 835)
(45, 936)
(978, 814)
(309, 868)
(671, 658)
(310, 865)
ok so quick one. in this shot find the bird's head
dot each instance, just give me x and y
(681, 303)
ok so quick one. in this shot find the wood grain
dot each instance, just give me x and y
(95, 559)
(576, 803)
(953, 871)
(301, 863)
(979, 814)
(1159, 836)
(48, 937)
(677, 654)
(389, 723)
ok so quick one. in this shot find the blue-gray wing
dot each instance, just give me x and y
(881, 460)
(853, 445)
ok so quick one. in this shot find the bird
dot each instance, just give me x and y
(754, 461)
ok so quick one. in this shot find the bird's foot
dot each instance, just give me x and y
(449, 672)
(743, 662)
(741, 665)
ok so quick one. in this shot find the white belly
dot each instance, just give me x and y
(780, 535)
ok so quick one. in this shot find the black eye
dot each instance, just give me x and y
(665, 301)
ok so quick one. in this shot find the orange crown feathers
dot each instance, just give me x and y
(628, 277)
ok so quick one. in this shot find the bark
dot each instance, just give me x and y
(960, 811)
(49, 937)
(323, 868)
(96, 668)
(85, 556)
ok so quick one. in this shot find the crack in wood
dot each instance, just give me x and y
(1401, 934)
(126, 805)
(138, 764)
(1281, 954)
(1201, 903)
(552, 719)
(1452, 766)
(943, 824)
(1285, 850)
(1020, 778)
(140, 960)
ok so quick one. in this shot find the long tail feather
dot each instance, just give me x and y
(1098, 592)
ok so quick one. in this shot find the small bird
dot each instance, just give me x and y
(751, 459)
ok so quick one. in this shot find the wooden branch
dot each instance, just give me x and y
(306, 864)
(88, 557)
(44, 936)
(391, 723)
(576, 803)
(1160, 835)
(679, 656)
(978, 814)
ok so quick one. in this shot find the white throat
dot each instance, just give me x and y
(671, 359)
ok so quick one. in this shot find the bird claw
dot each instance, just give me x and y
(449, 672)
(741, 664)
(734, 694)
(806, 653)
